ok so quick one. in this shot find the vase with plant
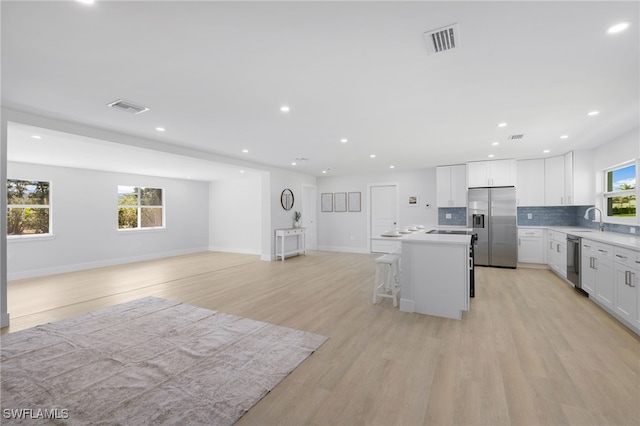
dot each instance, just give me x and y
(296, 219)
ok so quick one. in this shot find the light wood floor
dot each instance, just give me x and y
(530, 352)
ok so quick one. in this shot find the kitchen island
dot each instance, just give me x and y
(435, 273)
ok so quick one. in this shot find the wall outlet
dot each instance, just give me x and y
(447, 215)
(529, 215)
(632, 230)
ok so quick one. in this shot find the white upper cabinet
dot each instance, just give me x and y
(569, 179)
(554, 181)
(583, 185)
(451, 184)
(530, 182)
(491, 173)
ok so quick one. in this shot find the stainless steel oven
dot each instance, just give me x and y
(573, 262)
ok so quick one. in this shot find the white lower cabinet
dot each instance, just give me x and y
(597, 271)
(627, 279)
(557, 252)
(530, 245)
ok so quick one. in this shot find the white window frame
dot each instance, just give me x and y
(26, 237)
(139, 206)
(610, 194)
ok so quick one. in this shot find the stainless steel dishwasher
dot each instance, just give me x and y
(573, 262)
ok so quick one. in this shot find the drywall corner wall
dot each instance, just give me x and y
(348, 231)
(235, 223)
(4, 314)
(84, 222)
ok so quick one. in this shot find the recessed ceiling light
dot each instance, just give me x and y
(372, 156)
(392, 167)
(293, 163)
(564, 136)
(245, 150)
(592, 113)
(546, 151)
(618, 28)
(502, 124)
(36, 137)
(284, 108)
(495, 143)
(241, 171)
(160, 129)
(344, 140)
(324, 171)
(86, 1)
(188, 177)
(491, 155)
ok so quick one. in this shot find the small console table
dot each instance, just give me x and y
(283, 234)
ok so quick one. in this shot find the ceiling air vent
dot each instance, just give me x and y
(127, 106)
(514, 137)
(442, 39)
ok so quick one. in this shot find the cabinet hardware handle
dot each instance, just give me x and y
(626, 277)
(558, 248)
(586, 245)
(519, 242)
(631, 279)
(603, 251)
(621, 257)
(637, 261)
(595, 263)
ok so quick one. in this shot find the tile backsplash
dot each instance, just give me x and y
(457, 216)
(567, 216)
(541, 216)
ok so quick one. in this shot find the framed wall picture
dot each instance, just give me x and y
(326, 202)
(413, 201)
(354, 202)
(340, 201)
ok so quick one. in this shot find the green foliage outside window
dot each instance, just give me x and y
(27, 207)
(139, 207)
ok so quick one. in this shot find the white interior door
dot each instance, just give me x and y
(384, 216)
(309, 205)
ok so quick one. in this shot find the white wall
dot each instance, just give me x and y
(347, 231)
(84, 222)
(281, 218)
(620, 150)
(235, 223)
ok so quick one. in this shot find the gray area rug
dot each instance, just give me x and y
(150, 361)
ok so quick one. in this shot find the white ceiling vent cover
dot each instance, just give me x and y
(127, 106)
(442, 39)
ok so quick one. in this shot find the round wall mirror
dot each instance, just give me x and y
(286, 199)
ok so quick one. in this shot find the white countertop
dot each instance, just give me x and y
(614, 238)
(421, 236)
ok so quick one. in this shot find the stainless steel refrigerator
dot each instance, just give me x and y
(492, 215)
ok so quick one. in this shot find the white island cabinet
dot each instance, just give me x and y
(435, 274)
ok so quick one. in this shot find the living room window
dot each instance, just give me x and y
(621, 192)
(140, 207)
(28, 208)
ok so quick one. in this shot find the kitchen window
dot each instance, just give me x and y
(140, 207)
(621, 192)
(28, 208)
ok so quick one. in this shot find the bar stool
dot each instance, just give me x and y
(387, 282)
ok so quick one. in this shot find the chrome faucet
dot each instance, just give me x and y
(586, 216)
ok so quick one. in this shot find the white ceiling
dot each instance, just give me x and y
(216, 73)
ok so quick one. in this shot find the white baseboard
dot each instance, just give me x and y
(235, 250)
(98, 264)
(363, 250)
(4, 320)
